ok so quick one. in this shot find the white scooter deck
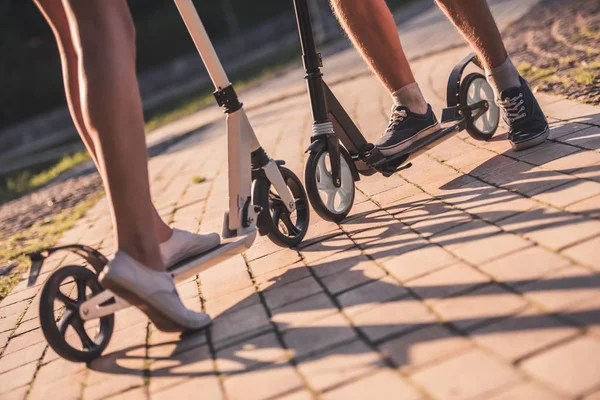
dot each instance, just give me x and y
(106, 303)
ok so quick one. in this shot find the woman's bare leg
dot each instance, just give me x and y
(55, 14)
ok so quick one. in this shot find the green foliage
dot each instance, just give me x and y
(42, 234)
(24, 181)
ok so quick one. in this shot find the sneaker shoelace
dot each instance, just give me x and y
(397, 117)
(514, 108)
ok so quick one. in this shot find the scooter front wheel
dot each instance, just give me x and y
(68, 334)
(330, 202)
(474, 88)
(284, 228)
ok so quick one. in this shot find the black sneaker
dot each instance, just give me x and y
(405, 128)
(523, 115)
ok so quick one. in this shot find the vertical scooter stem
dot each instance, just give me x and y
(241, 140)
(322, 126)
(311, 62)
(203, 44)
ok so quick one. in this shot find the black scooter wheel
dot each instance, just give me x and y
(330, 202)
(474, 88)
(70, 336)
(283, 228)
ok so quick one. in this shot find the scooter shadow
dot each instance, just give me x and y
(240, 351)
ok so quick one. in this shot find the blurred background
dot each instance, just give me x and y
(253, 39)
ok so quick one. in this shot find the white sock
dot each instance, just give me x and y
(504, 76)
(411, 97)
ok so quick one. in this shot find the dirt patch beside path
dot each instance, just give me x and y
(556, 46)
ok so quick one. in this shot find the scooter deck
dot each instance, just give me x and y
(393, 163)
(228, 248)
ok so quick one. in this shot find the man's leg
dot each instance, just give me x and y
(475, 22)
(371, 27)
(527, 124)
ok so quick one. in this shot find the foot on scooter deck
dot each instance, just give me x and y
(389, 165)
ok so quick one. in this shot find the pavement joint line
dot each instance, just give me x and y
(573, 177)
(361, 336)
(495, 223)
(503, 285)
(290, 356)
(493, 281)
(37, 370)
(576, 335)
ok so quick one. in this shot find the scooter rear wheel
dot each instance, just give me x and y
(474, 88)
(70, 336)
(284, 228)
(330, 202)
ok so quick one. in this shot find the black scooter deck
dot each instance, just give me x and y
(391, 164)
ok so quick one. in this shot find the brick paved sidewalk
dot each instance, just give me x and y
(473, 274)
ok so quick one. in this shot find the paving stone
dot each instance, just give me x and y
(318, 336)
(298, 290)
(471, 374)
(563, 288)
(249, 354)
(447, 281)
(589, 207)
(338, 262)
(303, 313)
(465, 233)
(478, 307)
(384, 384)
(506, 205)
(18, 377)
(16, 394)
(523, 334)
(586, 314)
(570, 193)
(23, 341)
(261, 248)
(391, 197)
(418, 263)
(405, 204)
(392, 318)
(423, 347)
(525, 391)
(340, 364)
(208, 385)
(250, 386)
(569, 367)
(585, 253)
(321, 250)
(379, 183)
(69, 387)
(233, 302)
(478, 251)
(227, 277)
(358, 272)
(370, 295)
(195, 363)
(574, 161)
(548, 153)
(550, 228)
(319, 231)
(22, 357)
(588, 138)
(239, 325)
(381, 247)
(432, 225)
(274, 261)
(281, 277)
(523, 266)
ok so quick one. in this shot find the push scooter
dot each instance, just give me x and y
(333, 168)
(77, 314)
